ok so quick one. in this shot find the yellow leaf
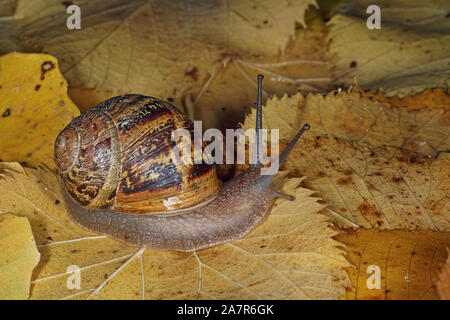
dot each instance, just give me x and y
(18, 257)
(407, 263)
(34, 107)
(374, 164)
(290, 256)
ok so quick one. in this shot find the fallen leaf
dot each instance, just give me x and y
(443, 284)
(412, 14)
(407, 262)
(232, 92)
(34, 107)
(165, 47)
(229, 93)
(18, 257)
(405, 56)
(375, 165)
(291, 256)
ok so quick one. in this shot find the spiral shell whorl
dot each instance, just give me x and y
(87, 148)
(67, 148)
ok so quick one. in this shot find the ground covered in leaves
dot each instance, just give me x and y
(370, 179)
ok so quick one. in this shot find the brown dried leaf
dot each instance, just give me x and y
(429, 16)
(375, 165)
(291, 256)
(409, 263)
(156, 47)
(7, 8)
(409, 54)
(9, 28)
(223, 97)
(232, 92)
(224, 101)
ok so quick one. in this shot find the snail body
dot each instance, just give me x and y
(117, 179)
(229, 217)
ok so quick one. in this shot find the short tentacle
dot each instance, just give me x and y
(291, 144)
(277, 194)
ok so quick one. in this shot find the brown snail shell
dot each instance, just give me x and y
(117, 156)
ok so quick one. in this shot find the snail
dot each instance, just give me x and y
(118, 179)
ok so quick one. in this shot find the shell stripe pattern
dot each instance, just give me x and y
(97, 147)
(145, 180)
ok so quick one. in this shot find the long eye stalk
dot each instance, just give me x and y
(291, 144)
(259, 120)
(266, 180)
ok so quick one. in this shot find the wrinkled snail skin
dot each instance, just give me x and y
(118, 178)
(241, 205)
